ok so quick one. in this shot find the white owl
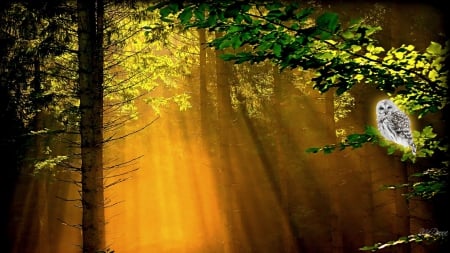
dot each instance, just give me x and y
(394, 124)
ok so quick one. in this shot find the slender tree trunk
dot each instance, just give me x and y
(282, 173)
(337, 243)
(224, 114)
(91, 123)
(204, 105)
(289, 234)
(42, 185)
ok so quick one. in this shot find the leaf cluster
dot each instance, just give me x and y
(426, 237)
(353, 141)
(429, 184)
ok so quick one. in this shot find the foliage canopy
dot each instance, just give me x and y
(341, 55)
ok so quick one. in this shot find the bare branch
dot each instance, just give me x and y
(133, 132)
(116, 182)
(68, 200)
(78, 226)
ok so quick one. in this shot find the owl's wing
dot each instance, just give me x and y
(400, 122)
(388, 128)
(401, 125)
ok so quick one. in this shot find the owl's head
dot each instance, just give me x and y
(385, 106)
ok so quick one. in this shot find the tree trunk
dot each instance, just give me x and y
(224, 114)
(42, 187)
(337, 243)
(281, 162)
(91, 123)
(204, 108)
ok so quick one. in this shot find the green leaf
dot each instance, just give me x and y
(371, 30)
(276, 49)
(355, 48)
(354, 137)
(273, 6)
(186, 15)
(212, 20)
(169, 9)
(433, 74)
(324, 35)
(434, 48)
(348, 35)
(264, 45)
(277, 14)
(370, 130)
(246, 36)
(304, 13)
(312, 150)
(225, 44)
(227, 57)
(236, 42)
(328, 149)
(235, 28)
(199, 14)
(391, 150)
(367, 248)
(295, 26)
(328, 22)
(239, 18)
(248, 19)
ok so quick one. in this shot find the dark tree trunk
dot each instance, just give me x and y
(281, 161)
(42, 187)
(337, 243)
(205, 108)
(90, 23)
(224, 114)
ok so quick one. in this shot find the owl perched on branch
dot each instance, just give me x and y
(394, 124)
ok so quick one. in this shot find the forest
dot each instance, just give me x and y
(223, 127)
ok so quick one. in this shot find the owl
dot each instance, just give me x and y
(394, 124)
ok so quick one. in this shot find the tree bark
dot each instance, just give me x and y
(90, 58)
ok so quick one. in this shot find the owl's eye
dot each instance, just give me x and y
(389, 107)
(380, 108)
